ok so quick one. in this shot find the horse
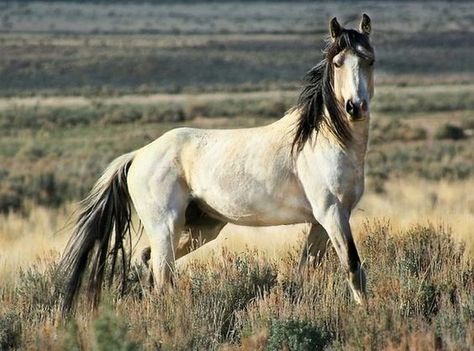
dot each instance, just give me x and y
(307, 167)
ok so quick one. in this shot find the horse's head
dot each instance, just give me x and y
(339, 88)
(351, 59)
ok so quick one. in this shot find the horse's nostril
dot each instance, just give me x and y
(350, 107)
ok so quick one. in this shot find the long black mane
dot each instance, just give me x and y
(319, 93)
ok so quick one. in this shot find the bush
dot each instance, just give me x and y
(121, 115)
(47, 117)
(296, 334)
(10, 331)
(71, 338)
(40, 291)
(111, 333)
(449, 131)
(468, 123)
(229, 290)
(159, 114)
(395, 130)
(420, 283)
(10, 200)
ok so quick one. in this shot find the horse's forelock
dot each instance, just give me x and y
(349, 39)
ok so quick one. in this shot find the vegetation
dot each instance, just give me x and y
(98, 49)
(420, 297)
(53, 154)
(449, 131)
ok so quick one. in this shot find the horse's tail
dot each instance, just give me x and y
(106, 209)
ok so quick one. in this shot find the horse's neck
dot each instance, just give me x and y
(355, 149)
(360, 136)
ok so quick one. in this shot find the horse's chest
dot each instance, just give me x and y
(346, 180)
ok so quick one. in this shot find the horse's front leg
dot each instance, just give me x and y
(335, 220)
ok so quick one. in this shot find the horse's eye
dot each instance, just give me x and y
(338, 63)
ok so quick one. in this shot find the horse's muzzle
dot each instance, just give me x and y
(357, 110)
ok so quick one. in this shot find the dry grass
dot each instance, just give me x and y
(420, 285)
(408, 202)
(242, 291)
(26, 239)
(420, 297)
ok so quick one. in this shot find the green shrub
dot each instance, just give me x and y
(121, 115)
(46, 189)
(296, 335)
(449, 131)
(41, 291)
(111, 333)
(71, 338)
(166, 113)
(10, 331)
(31, 152)
(47, 117)
(376, 181)
(468, 123)
(395, 130)
(229, 291)
(10, 200)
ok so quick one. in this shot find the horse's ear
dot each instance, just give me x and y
(365, 26)
(335, 28)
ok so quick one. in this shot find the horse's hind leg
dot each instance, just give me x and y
(163, 236)
(161, 211)
(315, 247)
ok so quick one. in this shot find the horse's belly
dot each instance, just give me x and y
(247, 183)
(270, 219)
(256, 208)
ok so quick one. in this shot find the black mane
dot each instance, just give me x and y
(318, 93)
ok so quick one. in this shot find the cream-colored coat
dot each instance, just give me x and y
(195, 178)
(247, 177)
(251, 177)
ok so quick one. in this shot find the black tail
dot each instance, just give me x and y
(107, 209)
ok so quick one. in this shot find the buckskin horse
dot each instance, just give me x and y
(307, 167)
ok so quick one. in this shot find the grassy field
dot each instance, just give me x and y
(89, 49)
(420, 298)
(82, 83)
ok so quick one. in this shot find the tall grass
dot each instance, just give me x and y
(420, 288)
